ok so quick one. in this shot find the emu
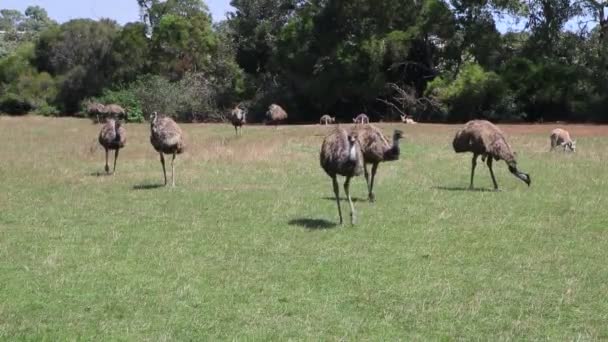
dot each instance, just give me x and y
(341, 155)
(481, 137)
(166, 138)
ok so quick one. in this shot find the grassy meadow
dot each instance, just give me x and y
(246, 246)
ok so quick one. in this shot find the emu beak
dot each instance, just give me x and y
(525, 177)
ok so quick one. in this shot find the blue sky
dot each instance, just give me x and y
(123, 11)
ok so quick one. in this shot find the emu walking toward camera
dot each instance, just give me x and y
(376, 148)
(326, 120)
(112, 136)
(341, 155)
(481, 137)
(361, 119)
(166, 137)
(276, 114)
(237, 117)
(561, 137)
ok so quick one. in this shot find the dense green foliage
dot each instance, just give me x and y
(436, 59)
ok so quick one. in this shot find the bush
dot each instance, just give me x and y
(47, 110)
(473, 93)
(14, 104)
(157, 94)
(191, 99)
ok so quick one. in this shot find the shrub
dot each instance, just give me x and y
(472, 93)
(47, 110)
(14, 104)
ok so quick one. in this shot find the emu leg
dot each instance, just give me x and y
(162, 161)
(489, 162)
(369, 191)
(173, 171)
(115, 158)
(474, 164)
(107, 168)
(372, 197)
(337, 193)
(236, 130)
(353, 215)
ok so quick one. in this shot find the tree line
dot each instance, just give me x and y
(438, 60)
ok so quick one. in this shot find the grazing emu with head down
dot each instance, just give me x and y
(561, 137)
(483, 138)
(114, 110)
(276, 114)
(376, 148)
(361, 119)
(238, 117)
(166, 137)
(326, 120)
(96, 109)
(341, 155)
(112, 136)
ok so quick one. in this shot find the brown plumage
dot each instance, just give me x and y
(341, 155)
(561, 137)
(114, 110)
(167, 138)
(276, 114)
(238, 118)
(361, 119)
(112, 136)
(481, 137)
(326, 120)
(96, 109)
(376, 148)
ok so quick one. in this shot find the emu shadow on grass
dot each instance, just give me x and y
(148, 186)
(462, 188)
(355, 199)
(313, 224)
(99, 174)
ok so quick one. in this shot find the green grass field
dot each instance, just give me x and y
(246, 246)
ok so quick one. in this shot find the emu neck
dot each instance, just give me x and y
(393, 152)
(352, 152)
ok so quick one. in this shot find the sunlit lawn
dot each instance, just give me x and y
(246, 246)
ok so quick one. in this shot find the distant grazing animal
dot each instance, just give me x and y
(407, 119)
(326, 120)
(481, 137)
(114, 110)
(238, 118)
(112, 136)
(561, 137)
(96, 109)
(376, 148)
(361, 119)
(167, 138)
(341, 155)
(276, 114)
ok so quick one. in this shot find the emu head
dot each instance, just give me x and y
(153, 118)
(521, 175)
(352, 147)
(397, 135)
